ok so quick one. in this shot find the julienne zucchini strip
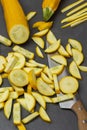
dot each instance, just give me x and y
(76, 21)
(77, 9)
(74, 24)
(75, 16)
(71, 6)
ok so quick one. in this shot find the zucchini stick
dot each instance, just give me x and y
(74, 21)
(78, 22)
(77, 8)
(74, 16)
(71, 6)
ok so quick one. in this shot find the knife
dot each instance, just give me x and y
(74, 104)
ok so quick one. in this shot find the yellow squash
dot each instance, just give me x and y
(49, 7)
(17, 26)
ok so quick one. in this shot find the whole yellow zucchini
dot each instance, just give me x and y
(17, 26)
(49, 7)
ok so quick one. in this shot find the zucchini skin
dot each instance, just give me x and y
(49, 7)
(16, 23)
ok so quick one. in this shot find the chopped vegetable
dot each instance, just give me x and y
(44, 115)
(74, 71)
(38, 64)
(41, 33)
(56, 83)
(30, 101)
(0, 79)
(57, 69)
(39, 98)
(53, 47)
(46, 78)
(77, 56)
(41, 25)
(20, 60)
(63, 97)
(1, 105)
(75, 16)
(59, 59)
(8, 108)
(32, 79)
(4, 96)
(39, 41)
(18, 78)
(44, 88)
(10, 65)
(39, 52)
(71, 5)
(16, 114)
(2, 63)
(47, 99)
(30, 117)
(25, 52)
(77, 8)
(5, 41)
(83, 68)
(21, 126)
(68, 49)
(62, 51)
(6, 88)
(48, 72)
(75, 44)
(13, 95)
(68, 84)
(83, 19)
(30, 15)
(51, 37)
(23, 103)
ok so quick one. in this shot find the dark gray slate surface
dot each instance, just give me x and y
(61, 119)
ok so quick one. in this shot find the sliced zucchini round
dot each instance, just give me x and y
(68, 84)
(18, 78)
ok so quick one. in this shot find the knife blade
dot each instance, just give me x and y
(74, 104)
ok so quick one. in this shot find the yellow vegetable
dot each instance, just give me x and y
(41, 25)
(68, 84)
(39, 98)
(71, 6)
(8, 108)
(30, 117)
(43, 114)
(16, 113)
(21, 126)
(16, 22)
(18, 77)
(49, 7)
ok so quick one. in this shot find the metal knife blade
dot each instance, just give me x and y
(73, 104)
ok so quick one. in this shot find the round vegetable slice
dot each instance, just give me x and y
(68, 84)
(18, 78)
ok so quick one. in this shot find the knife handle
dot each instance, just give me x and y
(81, 113)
